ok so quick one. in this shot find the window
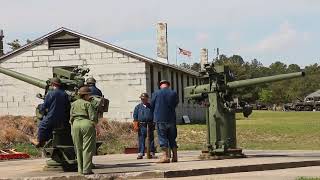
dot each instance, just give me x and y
(192, 81)
(151, 79)
(177, 83)
(159, 78)
(182, 88)
(188, 78)
(172, 80)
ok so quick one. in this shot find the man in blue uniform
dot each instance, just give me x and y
(91, 82)
(143, 115)
(56, 110)
(163, 105)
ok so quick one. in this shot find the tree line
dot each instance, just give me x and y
(269, 93)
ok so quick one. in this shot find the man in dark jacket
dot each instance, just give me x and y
(56, 110)
(143, 115)
(91, 82)
(163, 104)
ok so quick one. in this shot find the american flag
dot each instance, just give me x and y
(184, 52)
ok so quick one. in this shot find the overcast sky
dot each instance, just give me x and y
(268, 30)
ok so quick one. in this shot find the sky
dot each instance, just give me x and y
(266, 30)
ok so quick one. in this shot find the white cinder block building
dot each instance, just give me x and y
(122, 75)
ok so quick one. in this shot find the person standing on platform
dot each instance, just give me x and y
(143, 118)
(83, 119)
(163, 104)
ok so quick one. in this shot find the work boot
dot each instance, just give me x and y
(139, 156)
(153, 155)
(174, 155)
(164, 158)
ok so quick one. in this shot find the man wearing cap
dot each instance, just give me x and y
(163, 104)
(91, 83)
(83, 119)
(56, 108)
(143, 116)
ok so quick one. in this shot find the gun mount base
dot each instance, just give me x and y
(222, 154)
(52, 165)
(60, 150)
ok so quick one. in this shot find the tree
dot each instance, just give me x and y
(271, 93)
(15, 44)
(293, 68)
(255, 63)
(196, 67)
(28, 41)
(185, 65)
(265, 96)
(278, 68)
(236, 59)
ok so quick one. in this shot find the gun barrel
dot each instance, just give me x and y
(28, 79)
(255, 81)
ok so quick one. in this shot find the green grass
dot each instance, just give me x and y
(264, 130)
(28, 148)
(24, 147)
(308, 178)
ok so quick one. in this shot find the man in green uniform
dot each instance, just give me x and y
(83, 118)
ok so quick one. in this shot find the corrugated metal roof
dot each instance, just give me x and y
(97, 41)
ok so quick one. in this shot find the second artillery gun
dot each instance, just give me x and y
(60, 148)
(217, 95)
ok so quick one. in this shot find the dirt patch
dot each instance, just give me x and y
(115, 135)
(16, 129)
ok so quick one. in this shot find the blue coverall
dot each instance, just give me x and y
(56, 108)
(95, 91)
(163, 104)
(143, 114)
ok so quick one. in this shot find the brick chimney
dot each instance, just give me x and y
(162, 43)
(203, 58)
(1, 42)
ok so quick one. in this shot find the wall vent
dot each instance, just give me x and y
(64, 41)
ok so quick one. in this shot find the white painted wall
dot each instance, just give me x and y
(120, 77)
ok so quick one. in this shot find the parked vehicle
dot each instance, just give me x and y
(310, 103)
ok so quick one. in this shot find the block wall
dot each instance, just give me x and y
(120, 77)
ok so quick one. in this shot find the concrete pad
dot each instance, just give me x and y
(127, 166)
(279, 174)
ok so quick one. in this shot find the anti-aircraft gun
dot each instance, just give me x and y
(60, 148)
(217, 95)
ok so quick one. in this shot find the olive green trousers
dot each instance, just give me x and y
(84, 139)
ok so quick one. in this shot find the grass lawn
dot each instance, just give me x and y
(308, 178)
(264, 130)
